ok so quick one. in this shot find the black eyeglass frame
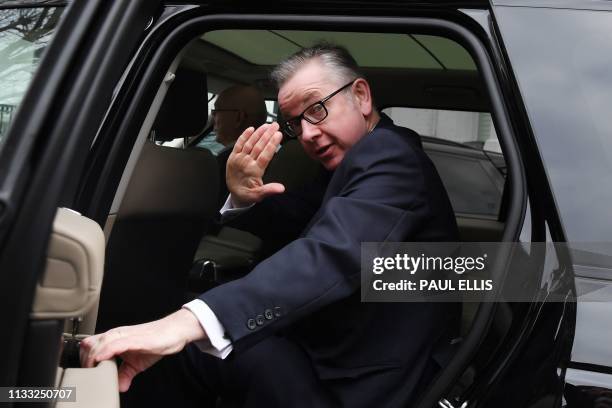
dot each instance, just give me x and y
(298, 119)
(214, 111)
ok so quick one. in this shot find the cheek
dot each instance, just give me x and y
(335, 160)
(349, 134)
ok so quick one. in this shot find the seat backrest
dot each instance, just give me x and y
(291, 166)
(173, 182)
(169, 201)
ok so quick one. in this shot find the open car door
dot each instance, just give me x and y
(60, 64)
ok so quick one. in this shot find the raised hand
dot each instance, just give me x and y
(247, 163)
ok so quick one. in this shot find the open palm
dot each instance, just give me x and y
(247, 163)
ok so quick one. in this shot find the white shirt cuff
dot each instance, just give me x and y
(217, 344)
(229, 211)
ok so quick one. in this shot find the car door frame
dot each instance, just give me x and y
(44, 153)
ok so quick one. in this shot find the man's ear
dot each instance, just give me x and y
(363, 96)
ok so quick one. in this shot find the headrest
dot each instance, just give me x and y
(184, 112)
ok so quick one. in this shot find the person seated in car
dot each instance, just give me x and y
(236, 108)
(293, 332)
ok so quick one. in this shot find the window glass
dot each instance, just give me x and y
(24, 34)
(465, 150)
(474, 129)
(562, 59)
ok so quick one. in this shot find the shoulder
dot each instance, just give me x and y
(386, 144)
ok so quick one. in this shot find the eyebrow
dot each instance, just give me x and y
(308, 95)
(305, 98)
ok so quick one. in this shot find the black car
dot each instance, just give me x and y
(512, 100)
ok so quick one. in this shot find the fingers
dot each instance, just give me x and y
(265, 131)
(264, 140)
(269, 150)
(86, 350)
(112, 348)
(101, 347)
(242, 139)
(249, 138)
(126, 374)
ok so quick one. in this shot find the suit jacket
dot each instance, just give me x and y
(370, 354)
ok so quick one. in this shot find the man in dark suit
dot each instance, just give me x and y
(294, 332)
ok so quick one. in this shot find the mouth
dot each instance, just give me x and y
(322, 151)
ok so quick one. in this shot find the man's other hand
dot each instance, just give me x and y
(142, 345)
(247, 163)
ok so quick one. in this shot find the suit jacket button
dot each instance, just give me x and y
(277, 311)
(268, 314)
(259, 319)
(251, 324)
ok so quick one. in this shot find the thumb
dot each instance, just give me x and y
(272, 189)
(126, 374)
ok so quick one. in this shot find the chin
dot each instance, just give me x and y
(332, 163)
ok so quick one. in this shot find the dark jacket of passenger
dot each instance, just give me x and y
(385, 189)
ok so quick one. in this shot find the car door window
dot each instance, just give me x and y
(24, 35)
(568, 98)
(568, 101)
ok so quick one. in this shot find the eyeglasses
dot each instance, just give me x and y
(314, 114)
(215, 111)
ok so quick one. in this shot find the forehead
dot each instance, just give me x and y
(310, 83)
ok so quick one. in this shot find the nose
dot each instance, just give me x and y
(309, 131)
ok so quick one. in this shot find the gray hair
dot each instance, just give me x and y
(337, 59)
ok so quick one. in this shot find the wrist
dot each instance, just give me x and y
(236, 203)
(191, 329)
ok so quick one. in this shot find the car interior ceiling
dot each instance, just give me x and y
(165, 232)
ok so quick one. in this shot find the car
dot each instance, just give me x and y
(98, 206)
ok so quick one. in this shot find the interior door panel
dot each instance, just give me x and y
(69, 289)
(95, 387)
